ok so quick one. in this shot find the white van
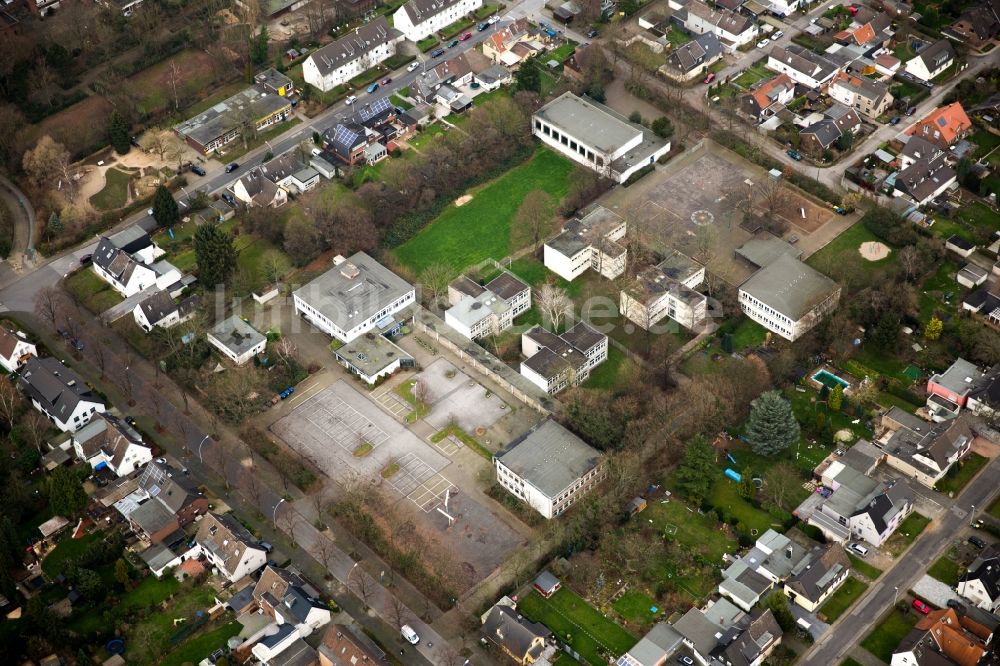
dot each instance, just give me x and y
(351, 99)
(411, 636)
(859, 549)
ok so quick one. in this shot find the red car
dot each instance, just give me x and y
(709, 78)
(386, 81)
(921, 606)
(465, 36)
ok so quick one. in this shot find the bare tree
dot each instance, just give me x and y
(422, 392)
(173, 78)
(435, 279)
(274, 265)
(10, 402)
(398, 611)
(780, 482)
(99, 355)
(48, 162)
(47, 304)
(555, 305)
(706, 243)
(285, 349)
(911, 261)
(529, 224)
(361, 583)
(35, 426)
(326, 553)
(772, 193)
(44, 83)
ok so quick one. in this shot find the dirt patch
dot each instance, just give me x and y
(462, 200)
(82, 128)
(874, 250)
(196, 73)
(791, 209)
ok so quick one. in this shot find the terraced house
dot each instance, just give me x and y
(418, 19)
(868, 97)
(351, 55)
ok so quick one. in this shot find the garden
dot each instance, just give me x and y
(842, 599)
(891, 630)
(92, 292)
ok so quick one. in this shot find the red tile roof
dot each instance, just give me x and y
(943, 126)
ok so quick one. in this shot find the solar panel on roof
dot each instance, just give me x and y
(376, 108)
(942, 122)
(344, 136)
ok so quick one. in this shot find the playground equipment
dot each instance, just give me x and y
(731, 458)
(733, 474)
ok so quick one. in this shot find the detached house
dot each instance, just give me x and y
(838, 120)
(237, 340)
(767, 98)
(549, 468)
(512, 44)
(690, 60)
(980, 584)
(931, 61)
(229, 547)
(480, 310)
(925, 179)
(125, 260)
(827, 568)
(943, 126)
(943, 637)
(58, 393)
(666, 290)
(255, 189)
(925, 451)
(733, 29)
(868, 97)
(660, 643)
(351, 55)
(520, 639)
(286, 598)
(963, 386)
(554, 362)
(419, 18)
(15, 350)
(588, 242)
(801, 65)
(976, 26)
(161, 309)
(702, 628)
(106, 442)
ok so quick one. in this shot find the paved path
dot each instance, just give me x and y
(24, 220)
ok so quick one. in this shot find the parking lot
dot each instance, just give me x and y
(456, 397)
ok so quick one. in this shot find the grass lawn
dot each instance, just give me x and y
(906, 533)
(202, 645)
(841, 257)
(887, 635)
(420, 409)
(562, 52)
(979, 214)
(994, 509)
(237, 150)
(252, 251)
(396, 100)
(677, 37)
(427, 43)
(753, 74)
(864, 568)
(726, 498)
(67, 549)
(427, 134)
(563, 659)
(466, 235)
(748, 333)
(94, 293)
(850, 662)
(961, 473)
(695, 532)
(465, 438)
(946, 571)
(605, 376)
(579, 624)
(985, 142)
(634, 607)
(185, 261)
(842, 599)
(114, 194)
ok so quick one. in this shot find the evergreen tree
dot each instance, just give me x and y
(697, 471)
(777, 603)
(836, 399)
(215, 253)
(258, 47)
(55, 225)
(772, 427)
(66, 494)
(118, 133)
(165, 209)
(10, 544)
(122, 573)
(528, 77)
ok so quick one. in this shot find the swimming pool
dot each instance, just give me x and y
(829, 380)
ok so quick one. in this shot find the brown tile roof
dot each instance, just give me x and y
(864, 34)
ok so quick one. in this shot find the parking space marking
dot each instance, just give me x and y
(393, 404)
(344, 425)
(446, 446)
(418, 482)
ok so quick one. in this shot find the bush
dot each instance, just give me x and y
(638, 174)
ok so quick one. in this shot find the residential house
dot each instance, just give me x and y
(281, 170)
(750, 645)
(236, 339)
(229, 547)
(963, 386)
(943, 637)
(767, 98)
(546, 584)
(549, 468)
(221, 124)
(868, 36)
(926, 451)
(660, 643)
(351, 55)
(772, 560)
(597, 137)
(125, 261)
(850, 505)
(960, 246)
(702, 628)
(916, 148)
(980, 583)
(692, 59)
(15, 350)
(985, 304)
(278, 639)
(441, 84)
(868, 97)
(160, 309)
(943, 126)
(976, 26)
(348, 141)
(666, 290)
(788, 297)
(493, 77)
(164, 501)
(925, 179)
(58, 393)
(554, 362)
(159, 559)
(520, 639)
(286, 598)
(273, 81)
(254, 189)
(931, 61)
(838, 120)
(480, 310)
(733, 29)
(801, 65)
(827, 568)
(513, 43)
(419, 18)
(106, 442)
(590, 241)
(346, 646)
(354, 297)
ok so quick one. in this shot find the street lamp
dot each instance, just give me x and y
(274, 514)
(200, 444)
(895, 593)
(972, 516)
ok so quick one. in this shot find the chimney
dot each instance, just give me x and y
(788, 553)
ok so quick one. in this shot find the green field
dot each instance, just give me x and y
(842, 599)
(946, 571)
(961, 473)
(578, 623)
(202, 645)
(634, 606)
(841, 259)
(606, 375)
(887, 635)
(480, 229)
(906, 533)
(67, 549)
(693, 531)
(114, 194)
(753, 74)
(91, 291)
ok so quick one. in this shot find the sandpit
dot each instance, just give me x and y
(462, 200)
(874, 250)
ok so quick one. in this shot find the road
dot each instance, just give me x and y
(24, 222)
(909, 567)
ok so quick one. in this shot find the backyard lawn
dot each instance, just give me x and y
(94, 293)
(114, 194)
(842, 599)
(961, 473)
(634, 606)
(725, 497)
(579, 624)
(480, 229)
(748, 333)
(67, 549)
(946, 571)
(202, 645)
(690, 529)
(889, 633)
(863, 567)
(906, 533)
(753, 74)
(841, 257)
(979, 214)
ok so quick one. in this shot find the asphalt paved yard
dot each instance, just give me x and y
(456, 396)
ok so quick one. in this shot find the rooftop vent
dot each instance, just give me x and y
(349, 271)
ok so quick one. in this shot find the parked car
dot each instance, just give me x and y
(316, 152)
(777, 35)
(266, 546)
(910, 111)
(493, 19)
(709, 78)
(482, 26)
(86, 259)
(287, 392)
(858, 549)
(386, 81)
(686, 660)
(197, 170)
(894, 120)
(130, 420)
(437, 53)
(412, 66)
(149, 211)
(77, 344)
(978, 524)
(372, 88)
(977, 542)
(411, 636)
(957, 605)
(592, 33)
(763, 43)
(232, 166)
(351, 99)
(840, 210)
(921, 606)
(465, 36)
(452, 44)
(794, 154)
(229, 199)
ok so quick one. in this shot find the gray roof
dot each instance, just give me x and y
(371, 353)
(863, 455)
(804, 61)
(284, 630)
(281, 167)
(54, 386)
(546, 580)
(504, 627)
(700, 50)
(507, 285)
(961, 377)
(790, 287)
(825, 131)
(917, 147)
(473, 309)
(354, 291)
(550, 458)
(354, 45)
(937, 54)
(742, 582)
(589, 121)
(236, 335)
(273, 79)
(589, 230)
(212, 123)
(152, 516)
(826, 565)
(299, 653)
(157, 557)
(421, 10)
(560, 353)
(763, 250)
(659, 642)
(925, 176)
(157, 306)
